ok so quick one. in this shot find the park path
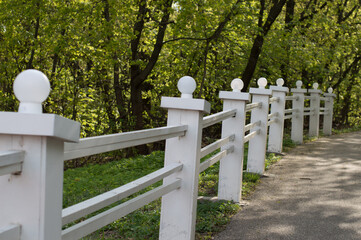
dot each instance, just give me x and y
(314, 192)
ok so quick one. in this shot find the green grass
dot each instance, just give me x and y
(88, 181)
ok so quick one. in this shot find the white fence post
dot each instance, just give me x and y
(275, 139)
(327, 118)
(179, 208)
(298, 103)
(315, 114)
(33, 198)
(231, 166)
(257, 145)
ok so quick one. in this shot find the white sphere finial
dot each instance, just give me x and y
(31, 88)
(280, 82)
(315, 85)
(299, 84)
(186, 85)
(330, 90)
(262, 82)
(237, 85)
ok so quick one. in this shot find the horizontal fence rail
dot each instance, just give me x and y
(11, 162)
(94, 223)
(216, 145)
(288, 117)
(250, 136)
(10, 232)
(95, 145)
(214, 159)
(288, 98)
(274, 99)
(272, 115)
(251, 106)
(218, 117)
(251, 125)
(91, 205)
(271, 122)
(291, 111)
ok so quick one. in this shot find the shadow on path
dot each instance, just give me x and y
(312, 193)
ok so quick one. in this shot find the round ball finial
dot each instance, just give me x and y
(237, 85)
(299, 84)
(330, 90)
(186, 85)
(315, 85)
(31, 88)
(262, 82)
(280, 82)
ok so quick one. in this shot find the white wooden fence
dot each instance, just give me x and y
(34, 146)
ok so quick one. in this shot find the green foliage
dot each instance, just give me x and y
(84, 47)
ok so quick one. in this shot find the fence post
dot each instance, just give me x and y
(179, 208)
(327, 118)
(275, 139)
(315, 114)
(297, 118)
(33, 197)
(231, 166)
(257, 145)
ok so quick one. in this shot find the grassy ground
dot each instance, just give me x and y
(86, 182)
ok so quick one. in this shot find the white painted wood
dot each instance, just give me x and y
(49, 125)
(307, 113)
(106, 143)
(327, 119)
(288, 98)
(34, 198)
(257, 144)
(91, 205)
(273, 115)
(276, 123)
(218, 117)
(290, 111)
(250, 136)
(274, 99)
(10, 232)
(251, 125)
(185, 104)
(298, 118)
(179, 222)
(214, 159)
(314, 126)
(270, 122)
(287, 117)
(309, 97)
(11, 162)
(323, 99)
(216, 145)
(231, 166)
(308, 109)
(94, 223)
(252, 106)
(11, 157)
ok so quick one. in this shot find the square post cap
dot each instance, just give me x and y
(329, 94)
(32, 88)
(186, 85)
(47, 125)
(261, 90)
(279, 87)
(236, 94)
(314, 90)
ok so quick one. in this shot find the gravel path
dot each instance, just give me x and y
(314, 192)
